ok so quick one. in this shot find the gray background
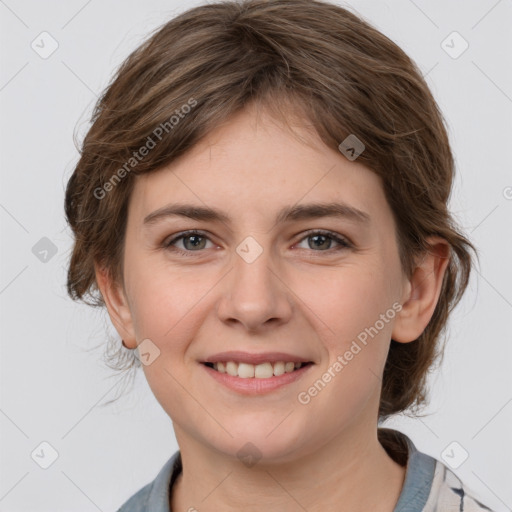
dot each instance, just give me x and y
(53, 381)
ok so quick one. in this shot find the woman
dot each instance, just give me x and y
(261, 203)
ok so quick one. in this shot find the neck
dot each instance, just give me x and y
(352, 472)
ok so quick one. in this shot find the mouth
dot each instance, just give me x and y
(256, 379)
(256, 373)
(264, 370)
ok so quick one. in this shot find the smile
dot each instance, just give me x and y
(256, 379)
(264, 370)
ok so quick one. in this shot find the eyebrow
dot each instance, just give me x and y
(287, 214)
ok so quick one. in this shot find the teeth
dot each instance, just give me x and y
(278, 368)
(262, 371)
(232, 368)
(258, 371)
(246, 371)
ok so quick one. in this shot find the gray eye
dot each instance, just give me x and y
(319, 241)
(195, 242)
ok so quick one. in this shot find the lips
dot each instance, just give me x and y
(260, 383)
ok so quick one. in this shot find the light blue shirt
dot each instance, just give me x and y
(429, 486)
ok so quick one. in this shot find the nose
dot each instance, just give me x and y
(255, 296)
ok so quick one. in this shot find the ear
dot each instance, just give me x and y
(423, 290)
(117, 305)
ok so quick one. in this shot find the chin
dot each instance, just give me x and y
(262, 441)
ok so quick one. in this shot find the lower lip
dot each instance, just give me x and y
(253, 386)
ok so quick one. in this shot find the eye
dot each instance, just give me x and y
(322, 240)
(193, 241)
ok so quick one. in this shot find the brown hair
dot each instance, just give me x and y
(341, 74)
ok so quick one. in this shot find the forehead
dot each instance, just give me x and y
(254, 167)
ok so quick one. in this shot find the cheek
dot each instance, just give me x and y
(166, 309)
(349, 301)
(164, 300)
(354, 311)
(357, 308)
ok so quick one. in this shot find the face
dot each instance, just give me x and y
(271, 280)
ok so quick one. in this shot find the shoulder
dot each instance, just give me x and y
(429, 485)
(449, 493)
(154, 497)
(138, 502)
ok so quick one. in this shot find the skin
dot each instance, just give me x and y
(295, 297)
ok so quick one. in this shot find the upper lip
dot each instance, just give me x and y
(247, 357)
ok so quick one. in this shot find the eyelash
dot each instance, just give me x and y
(343, 242)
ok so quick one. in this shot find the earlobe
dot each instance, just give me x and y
(424, 288)
(117, 306)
